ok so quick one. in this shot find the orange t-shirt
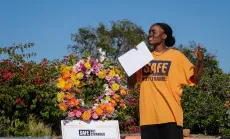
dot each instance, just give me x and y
(161, 88)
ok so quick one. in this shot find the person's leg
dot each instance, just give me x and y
(149, 132)
(170, 131)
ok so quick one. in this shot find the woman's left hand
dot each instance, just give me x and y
(198, 53)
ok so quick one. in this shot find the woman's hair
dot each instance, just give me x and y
(170, 40)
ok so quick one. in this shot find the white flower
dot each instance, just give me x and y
(88, 73)
(104, 101)
(82, 102)
(102, 58)
(103, 116)
(105, 86)
(101, 52)
(95, 106)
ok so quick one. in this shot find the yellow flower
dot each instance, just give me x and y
(65, 69)
(61, 83)
(87, 65)
(115, 86)
(117, 71)
(60, 96)
(108, 98)
(73, 77)
(86, 116)
(112, 73)
(80, 75)
(77, 83)
(83, 83)
(63, 106)
(102, 74)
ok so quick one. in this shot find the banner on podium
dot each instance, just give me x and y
(77, 129)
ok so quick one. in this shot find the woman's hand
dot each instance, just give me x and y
(199, 66)
(198, 53)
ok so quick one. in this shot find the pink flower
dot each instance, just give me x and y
(88, 72)
(95, 116)
(100, 65)
(38, 97)
(103, 116)
(97, 72)
(111, 92)
(78, 113)
(108, 78)
(71, 114)
(76, 68)
(17, 100)
(7, 75)
(101, 96)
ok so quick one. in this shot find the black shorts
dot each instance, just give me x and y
(162, 131)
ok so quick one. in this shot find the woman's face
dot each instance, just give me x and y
(156, 35)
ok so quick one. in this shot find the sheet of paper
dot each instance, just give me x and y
(135, 59)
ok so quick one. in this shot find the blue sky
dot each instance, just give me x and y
(49, 23)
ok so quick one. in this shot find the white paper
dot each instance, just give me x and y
(77, 129)
(135, 59)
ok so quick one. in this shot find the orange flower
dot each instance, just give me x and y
(86, 116)
(73, 102)
(114, 103)
(102, 106)
(78, 90)
(122, 101)
(109, 109)
(91, 81)
(69, 96)
(60, 79)
(63, 106)
(116, 96)
(98, 111)
(68, 85)
(123, 92)
(66, 76)
(117, 99)
(122, 105)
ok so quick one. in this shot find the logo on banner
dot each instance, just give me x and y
(156, 70)
(90, 133)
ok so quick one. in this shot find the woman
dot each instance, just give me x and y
(161, 115)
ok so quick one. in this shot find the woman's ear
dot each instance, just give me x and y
(164, 36)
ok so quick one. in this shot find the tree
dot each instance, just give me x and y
(203, 105)
(116, 40)
(26, 88)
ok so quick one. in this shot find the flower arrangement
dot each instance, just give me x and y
(91, 88)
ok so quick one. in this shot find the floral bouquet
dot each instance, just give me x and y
(91, 88)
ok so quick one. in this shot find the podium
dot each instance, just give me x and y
(77, 129)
